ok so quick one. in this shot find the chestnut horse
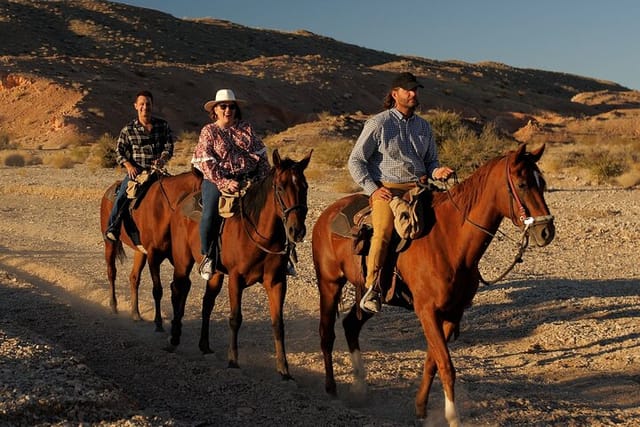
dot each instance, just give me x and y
(255, 247)
(439, 268)
(152, 217)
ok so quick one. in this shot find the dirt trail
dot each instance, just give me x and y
(556, 343)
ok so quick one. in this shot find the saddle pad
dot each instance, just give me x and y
(191, 206)
(343, 222)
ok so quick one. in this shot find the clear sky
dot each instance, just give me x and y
(591, 38)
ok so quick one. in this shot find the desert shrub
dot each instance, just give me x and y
(464, 151)
(79, 154)
(16, 160)
(183, 149)
(334, 153)
(5, 142)
(605, 165)
(60, 161)
(103, 153)
(444, 124)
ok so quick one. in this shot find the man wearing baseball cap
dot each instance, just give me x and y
(395, 150)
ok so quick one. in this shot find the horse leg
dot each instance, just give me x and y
(329, 299)
(236, 284)
(154, 269)
(276, 293)
(110, 258)
(438, 358)
(214, 285)
(179, 292)
(352, 327)
(139, 261)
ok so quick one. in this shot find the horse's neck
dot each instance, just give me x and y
(476, 218)
(264, 217)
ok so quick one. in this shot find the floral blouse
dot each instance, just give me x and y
(224, 155)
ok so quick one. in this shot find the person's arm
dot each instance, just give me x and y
(206, 158)
(360, 155)
(167, 149)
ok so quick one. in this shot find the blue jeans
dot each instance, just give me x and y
(119, 205)
(210, 221)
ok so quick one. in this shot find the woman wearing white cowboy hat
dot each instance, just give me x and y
(227, 150)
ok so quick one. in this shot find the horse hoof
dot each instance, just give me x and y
(169, 348)
(206, 350)
(286, 377)
(233, 365)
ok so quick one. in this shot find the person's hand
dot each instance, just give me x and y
(233, 186)
(442, 173)
(132, 171)
(159, 163)
(381, 193)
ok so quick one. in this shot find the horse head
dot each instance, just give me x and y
(290, 186)
(527, 206)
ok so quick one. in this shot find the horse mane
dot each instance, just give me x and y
(468, 191)
(256, 195)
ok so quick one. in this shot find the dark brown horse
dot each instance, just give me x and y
(255, 247)
(439, 268)
(152, 217)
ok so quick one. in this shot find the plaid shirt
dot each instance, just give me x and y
(142, 148)
(393, 149)
(223, 155)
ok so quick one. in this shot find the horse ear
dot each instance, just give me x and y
(276, 158)
(305, 162)
(536, 154)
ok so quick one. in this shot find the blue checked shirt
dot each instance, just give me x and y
(142, 148)
(393, 149)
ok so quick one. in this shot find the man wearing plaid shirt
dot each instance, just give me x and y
(145, 142)
(395, 150)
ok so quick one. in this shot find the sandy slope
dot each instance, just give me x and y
(556, 343)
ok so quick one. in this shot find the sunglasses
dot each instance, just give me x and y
(225, 106)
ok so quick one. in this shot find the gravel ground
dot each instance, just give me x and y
(556, 343)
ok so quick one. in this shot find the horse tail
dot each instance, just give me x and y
(119, 249)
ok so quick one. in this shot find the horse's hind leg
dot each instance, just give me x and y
(276, 292)
(139, 261)
(214, 285)
(352, 324)
(154, 270)
(329, 299)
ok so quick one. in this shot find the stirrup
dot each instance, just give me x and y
(370, 301)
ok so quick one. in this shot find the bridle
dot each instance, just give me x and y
(527, 222)
(289, 244)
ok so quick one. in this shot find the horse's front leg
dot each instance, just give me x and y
(214, 285)
(437, 358)
(154, 270)
(236, 286)
(352, 324)
(276, 292)
(179, 292)
(139, 261)
(329, 299)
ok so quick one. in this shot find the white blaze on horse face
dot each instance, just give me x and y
(538, 178)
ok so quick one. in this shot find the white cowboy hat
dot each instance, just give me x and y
(223, 95)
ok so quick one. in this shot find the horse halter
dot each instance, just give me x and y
(527, 221)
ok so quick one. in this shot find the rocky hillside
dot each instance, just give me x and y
(70, 68)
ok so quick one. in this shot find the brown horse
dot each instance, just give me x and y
(152, 217)
(439, 268)
(255, 247)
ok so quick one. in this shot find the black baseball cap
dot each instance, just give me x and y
(406, 81)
